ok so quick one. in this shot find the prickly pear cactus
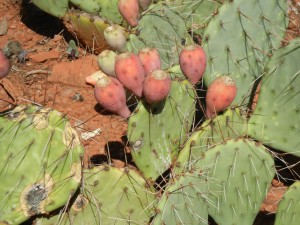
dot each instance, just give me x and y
(239, 40)
(160, 28)
(275, 120)
(157, 131)
(108, 196)
(288, 212)
(238, 173)
(183, 201)
(40, 167)
(232, 124)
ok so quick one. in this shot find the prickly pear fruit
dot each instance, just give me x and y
(129, 9)
(157, 86)
(110, 94)
(192, 60)
(150, 59)
(115, 37)
(106, 62)
(144, 4)
(92, 79)
(5, 65)
(220, 95)
(130, 72)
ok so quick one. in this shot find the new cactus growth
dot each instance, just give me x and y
(40, 168)
(5, 65)
(192, 62)
(220, 95)
(130, 72)
(110, 94)
(157, 86)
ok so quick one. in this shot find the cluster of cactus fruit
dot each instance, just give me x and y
(220, 165)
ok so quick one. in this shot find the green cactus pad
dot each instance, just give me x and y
(239, 40)
(108, 196)
(231, 124)
(40, 166)
(57, 8)
(107, 9)
(160, 28)
(275, 120)
(288, 212)
(89, 29)
(157, 131)
(196, 13)
(183, 202)
(239, 174)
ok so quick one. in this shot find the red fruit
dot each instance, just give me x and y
(157, 86)
(129, 9)
(192, 60)
(110, 94)
(5, 65)
(150, 59)
(130, 72)
(220, 95)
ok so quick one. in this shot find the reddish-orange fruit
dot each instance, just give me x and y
(129, 9)
(110, 94)
(192, 61)
(5, 65)
(220, 95)
(130, 72)
(150, 59)
(157, 86)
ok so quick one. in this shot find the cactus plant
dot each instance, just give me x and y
(279, 100)
(108, 196)
(40, 166)
(239, 40)
(288, 208)
(157, 131)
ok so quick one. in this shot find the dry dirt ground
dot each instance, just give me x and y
(47, 76)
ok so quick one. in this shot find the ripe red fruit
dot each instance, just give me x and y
(110, 94)
(157, 86)
(220, 95)
(5, 65)
(192, 60)
(150, 59)
(130, 72)
(129, 9)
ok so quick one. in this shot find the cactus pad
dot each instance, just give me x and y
(238, 174)
(231, 124)
(88, 28)
(57, 8)
(160, 28)
(108, 196)
(156, 131)
(288, 212)
(239, 40)
(40, 166)
(183, 201)
(275, 120)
